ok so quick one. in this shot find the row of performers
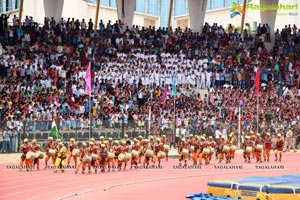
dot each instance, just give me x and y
(101, 155)
(114, 154)
(201, 148)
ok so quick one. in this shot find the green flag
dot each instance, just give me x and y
(277, 67)
(54, 131)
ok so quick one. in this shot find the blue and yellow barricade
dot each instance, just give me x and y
(221, 188)
(289, 191)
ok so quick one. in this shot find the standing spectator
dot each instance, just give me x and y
(268, 33)
(289, 143)
(6, 140)
(1, 138)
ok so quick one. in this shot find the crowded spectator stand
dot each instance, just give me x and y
(43, 68)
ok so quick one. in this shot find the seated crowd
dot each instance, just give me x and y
(42, 75)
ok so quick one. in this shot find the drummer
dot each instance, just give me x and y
(117, 151)
(83, 153)
(158, 146)
(267, 146)
(124, 150)
(103, 152)
(221, 152)
(190, 142)
(247, 154)
(149, 147)
(110, 149)
(35, 147)
(50, 146)
(232, 143)
(127, 140)
(196, 150)
(279, 147)
(60, 162)
(94, 150)
(110, 143)
(212, 145)
(203, 154)
(134, 159)
(165, 142)
(181, 148)
(141, 144)
(101, 141)
(258, 148)
(25, 148)
(72, 145)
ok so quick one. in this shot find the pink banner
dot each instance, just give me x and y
(87, 79)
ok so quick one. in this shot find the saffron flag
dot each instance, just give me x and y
(164, 94)
(87, 79)
(215, 61)
(54, 131)
(212, 99)
(257, 81)
(174, 83)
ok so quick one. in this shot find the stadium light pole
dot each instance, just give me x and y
(170, 14)
(243, 16)
(21, 11)
(97, 14)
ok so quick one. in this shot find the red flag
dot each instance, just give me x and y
(257, 81)
(212, 99)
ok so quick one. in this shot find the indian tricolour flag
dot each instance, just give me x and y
(54, 131)
(215, 61)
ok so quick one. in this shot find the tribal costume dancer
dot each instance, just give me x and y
(60, 161)
(279, 147)
(71, 147)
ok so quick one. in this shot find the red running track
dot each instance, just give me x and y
(147, 184)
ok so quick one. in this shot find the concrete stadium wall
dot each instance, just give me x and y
(80, 9)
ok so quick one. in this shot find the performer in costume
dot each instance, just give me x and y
(101, 141)
(35, 148)
(83, 153)
(50, 147)
(147, 157)
(253, 139)
(127, 140)
(183, 151)
(218, 148)
(258, 148)
(71, 147)
(190, 142)
(61, 158)
(141, 145)
(165, 142)
(135, 149)
(157, 148)
(110, 149)
(117, 150)
(203, 154)
(232, 143)
(247, 152)
(110, 143)
(196, 150)
(212, 145)
(94, 152)
(25, 148)
(279, 147)
(221, 152)
(267, 146)
(103, 157)
(124, 150)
